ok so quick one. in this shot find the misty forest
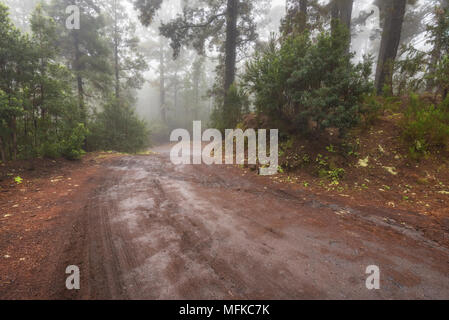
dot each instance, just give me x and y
(91, 91)
(136, 70)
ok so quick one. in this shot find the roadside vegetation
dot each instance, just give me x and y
(344, 131)
(64, 92)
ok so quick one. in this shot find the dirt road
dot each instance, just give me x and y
(140, 227)
(159, 231)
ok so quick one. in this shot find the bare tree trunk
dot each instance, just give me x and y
(383, 8)
(303, 15)
(79, 79)
(231, 44)
(162, 83)
(436, 54)
(341, 12)
(391, 37)
(335, 15)
(116, 57)
(13, 127)
(175, 92)
(346, 12)
(196, 86)
(2, 150)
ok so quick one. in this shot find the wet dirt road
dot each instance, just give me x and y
(159, 231)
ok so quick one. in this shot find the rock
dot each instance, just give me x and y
(391, 170)
(364, 162)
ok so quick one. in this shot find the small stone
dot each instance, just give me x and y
(364, 162)
(391, 170)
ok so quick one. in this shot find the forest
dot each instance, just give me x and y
(64, 92)
(354, 206)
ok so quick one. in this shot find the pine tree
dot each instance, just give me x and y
(213, 21)
(14, 48)
(128, 61)
(391, 36)
(86, 49)
(21, 11)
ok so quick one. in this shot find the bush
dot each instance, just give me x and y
(227, 117)
(68, 145)
(160, 132)
(118, 128)
(50, 150)
(442, 76)
(426, 126)
(438, 33)
(306, 80)
(408, 72)
(371, 109)
(72, 146)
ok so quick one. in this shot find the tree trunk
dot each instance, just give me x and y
(162, 83)
(346, 12)
(2, 150)
(175, 92)
(79, 79)
(335, 16)
(391, 37)
(116, 57)
(435, 57)
(196, 87)
(383, 8)
(13, 127)
(303, 15)
(341, 12)
(231, 44)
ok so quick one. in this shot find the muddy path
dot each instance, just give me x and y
(152, 230)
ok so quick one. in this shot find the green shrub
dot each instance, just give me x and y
(72, 146)
(306, 79)
(160, 132)
(50, 150)
(118, 128)
(442, 75)
(425, 126)
(336, 174)
(408, 71)
(236, 105)
(438, 37)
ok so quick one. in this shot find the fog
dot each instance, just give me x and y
(187, 91)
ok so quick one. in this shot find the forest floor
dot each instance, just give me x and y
(378, 172)
(140, 227)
